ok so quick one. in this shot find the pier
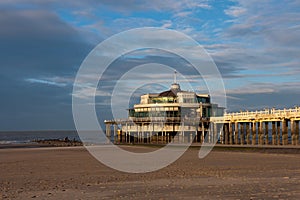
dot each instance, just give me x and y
(264, 127)
(180, 116)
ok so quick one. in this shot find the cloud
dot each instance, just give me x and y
(263, 37)
(257, 96)
(38, 50)
(235, 11)
(40, 41)
(33, 80)
(52, 81)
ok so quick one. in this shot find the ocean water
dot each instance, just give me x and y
(21, 137)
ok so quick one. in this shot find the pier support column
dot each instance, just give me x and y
(226, 129)
(209, 132)
(266, 133)
(230, 133)
(260, 133)
(108, 132)
(191, 138)
(166, 137)
(147, 138)
(274, 133)
(150, 137)
(220, 134)
(182, 137)
(215, 133)
(292, 132)
(202, 132)
(278, 133)
(143, 134)
(236, 133)
(136, 134)
(254, 133)
(297, 132)
(242, 125)
(119, 139)
(115, 133)
(126, 133)
(248, 133)
(284, 132)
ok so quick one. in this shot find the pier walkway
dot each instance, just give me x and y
(265, 127)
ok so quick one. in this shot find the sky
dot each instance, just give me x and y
(254, 44)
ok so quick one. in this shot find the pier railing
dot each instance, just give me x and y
(267, 114)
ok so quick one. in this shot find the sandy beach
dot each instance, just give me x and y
(72, 173)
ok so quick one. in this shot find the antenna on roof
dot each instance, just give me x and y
(175, 72)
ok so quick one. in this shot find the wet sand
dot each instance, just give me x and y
(72, 173)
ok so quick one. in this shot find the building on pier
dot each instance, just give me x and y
(174, 115)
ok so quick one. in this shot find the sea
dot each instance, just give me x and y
(22, 137)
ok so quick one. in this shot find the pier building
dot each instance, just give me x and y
(174, 115)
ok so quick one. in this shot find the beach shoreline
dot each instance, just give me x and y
(217, 147)
(71, 172)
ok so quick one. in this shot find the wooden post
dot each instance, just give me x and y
(143, 134)
(266, 133)
(247, 133)
(129, 137)
(284, 132)
(226, 127)
(115, 133)
(242, 133)
(297, 132)
(202, 133)
(260, 133)
(278, 133)
(230, 133)
(274, 133)
(136, 138)
(254, 133)
(293, 132)
(108, 132)
(220, 134)
(209, 132)
(215, 133)
(126, 133)
(236, 130)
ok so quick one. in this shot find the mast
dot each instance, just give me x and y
(175, 73)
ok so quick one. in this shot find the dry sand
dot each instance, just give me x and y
(72, 173)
